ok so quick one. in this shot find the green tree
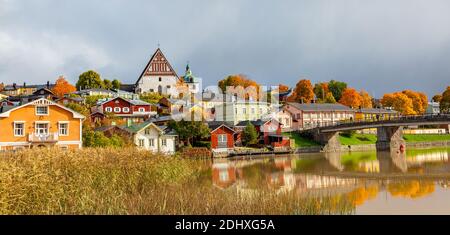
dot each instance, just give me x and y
(249, 135)
(151, 97)
(107, 84)
(88, 80)
(98, 139)
(116, 84)
(92, 100)
(78, 108)
(337, 88)
(190, 131)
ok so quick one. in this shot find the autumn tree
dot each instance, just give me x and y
(240, 85)
(303, 92)
(419, 101)
(329, 98)
(2, 86)
(62, 87)
(366, 99)
(399, 102)
(89, 80)
(445, 101)
(282, 88)
(351, 98)
(437, 98)
(336, 88)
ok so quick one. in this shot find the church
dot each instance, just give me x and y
(158, 76)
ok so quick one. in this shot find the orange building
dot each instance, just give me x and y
(40, 123)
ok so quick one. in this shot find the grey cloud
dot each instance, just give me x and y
(380, 46)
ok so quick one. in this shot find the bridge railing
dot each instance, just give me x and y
(398, 119)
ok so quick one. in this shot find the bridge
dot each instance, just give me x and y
(389, 132)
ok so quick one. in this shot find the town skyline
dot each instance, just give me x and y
(320, 41)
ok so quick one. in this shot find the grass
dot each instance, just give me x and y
(426, 137)
(301, 141)
(358, 139)
(129, 181)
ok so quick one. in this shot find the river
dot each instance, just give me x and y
(414, 182)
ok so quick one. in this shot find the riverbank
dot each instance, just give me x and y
(130, 181)
(366, 142)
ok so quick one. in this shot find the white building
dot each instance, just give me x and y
(241, 110)
(433, 108)
(158, 76)
(157, 139)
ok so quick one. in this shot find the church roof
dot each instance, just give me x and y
(158, 65)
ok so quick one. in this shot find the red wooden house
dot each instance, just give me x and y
(269, 132)
(136, 110)
(222, 137)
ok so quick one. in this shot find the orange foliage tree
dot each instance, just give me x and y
(232, 83)
(303, 92)
(366, 100)
(445, 101)
(351, 98)
(419, 101)
(282, 88)
(399, 102)
(62, 87)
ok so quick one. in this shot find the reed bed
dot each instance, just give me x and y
(129, 181)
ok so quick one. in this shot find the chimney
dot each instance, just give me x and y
(14, 86)
(48, 84)
(24, 84)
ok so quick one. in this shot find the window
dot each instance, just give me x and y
(244, 110)
(253, 110)
(108, 109)
(117, 109)
(126, 109)
(64, 129)
(222, 138)
(151, 90)
(19, 129)
(160, 78)
(141, 110)
(141, 142)
(147, 131)
(41, 128)
(41, 110)
(260, 110)
(235, 110)
(152, 142)
(193, 87)
(164, 142)
(168, 86)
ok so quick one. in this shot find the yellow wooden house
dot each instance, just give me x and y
(40, 123)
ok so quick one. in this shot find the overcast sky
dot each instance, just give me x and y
(380, 46)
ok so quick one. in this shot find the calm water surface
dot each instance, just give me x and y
(415, 182)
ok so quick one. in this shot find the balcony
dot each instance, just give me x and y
(43, 138)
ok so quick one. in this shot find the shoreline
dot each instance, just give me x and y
(372, 147)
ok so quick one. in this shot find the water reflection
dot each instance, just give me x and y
(361, 177)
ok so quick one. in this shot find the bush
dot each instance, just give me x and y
(206, 144)
(348, 134)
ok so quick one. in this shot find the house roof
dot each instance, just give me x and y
(134, 102)
(140, 126)
(258, 122)
(213, 126)
(158, 51)
(376, 110)
(42, 101)
(320, 107)
(128, 87)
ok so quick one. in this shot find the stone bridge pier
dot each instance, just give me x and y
(329, 141)
(390, 138)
